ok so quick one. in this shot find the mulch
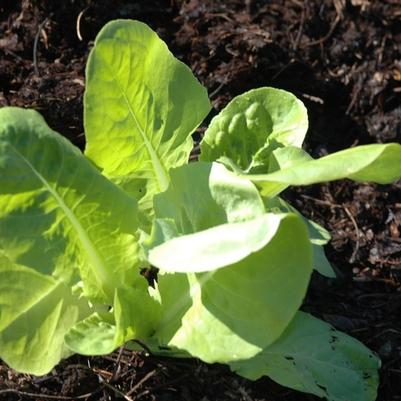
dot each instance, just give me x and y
(342, 58)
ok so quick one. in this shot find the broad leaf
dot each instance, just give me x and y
(58, 214)
(233, 312)
(377, 163)
(35, 313)
(313, 357)
(254, 124)
(141, 106)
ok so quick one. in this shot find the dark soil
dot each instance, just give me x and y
(341, 57)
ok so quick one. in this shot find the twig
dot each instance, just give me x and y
(354, 99)
(115, 389)
(219, 15)
(282, 69)
(143, 345)
(350, 216)
(117, 367)
(385, 332)
(161, 386)
(48, 396)
(78, 24)
(313, 98)
(301, 28)
(353, 221)
(322, 202)
(141, 382)
(7, 51)
(35, 46)
(217, 90)
(328, 34)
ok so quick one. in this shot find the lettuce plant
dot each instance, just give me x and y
(233, 259)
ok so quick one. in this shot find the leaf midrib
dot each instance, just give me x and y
(160, 171)
(98, 266)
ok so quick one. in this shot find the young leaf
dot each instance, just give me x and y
(254, 124)
(58, 214)
(312, 357)
(377, 163)
(35, 313)
(141, 106)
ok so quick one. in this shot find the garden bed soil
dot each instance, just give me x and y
(341, 57)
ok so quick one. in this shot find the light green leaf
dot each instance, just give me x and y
(208, 314)
(318, 235)
(287, 156)
(314, 358)
(254, 124)
(58, 214)
(141, 106)
(280, 158)
(35, 313)
(377, 163)
(215, 247)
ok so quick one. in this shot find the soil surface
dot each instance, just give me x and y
(341, 57)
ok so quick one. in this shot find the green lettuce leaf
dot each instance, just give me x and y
(377, 163)
(35, 313)
(253, 125)
(141, 106)
(58, 214)
(215, 247)
(313, 357)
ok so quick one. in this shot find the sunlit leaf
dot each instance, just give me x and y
(141, 106)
